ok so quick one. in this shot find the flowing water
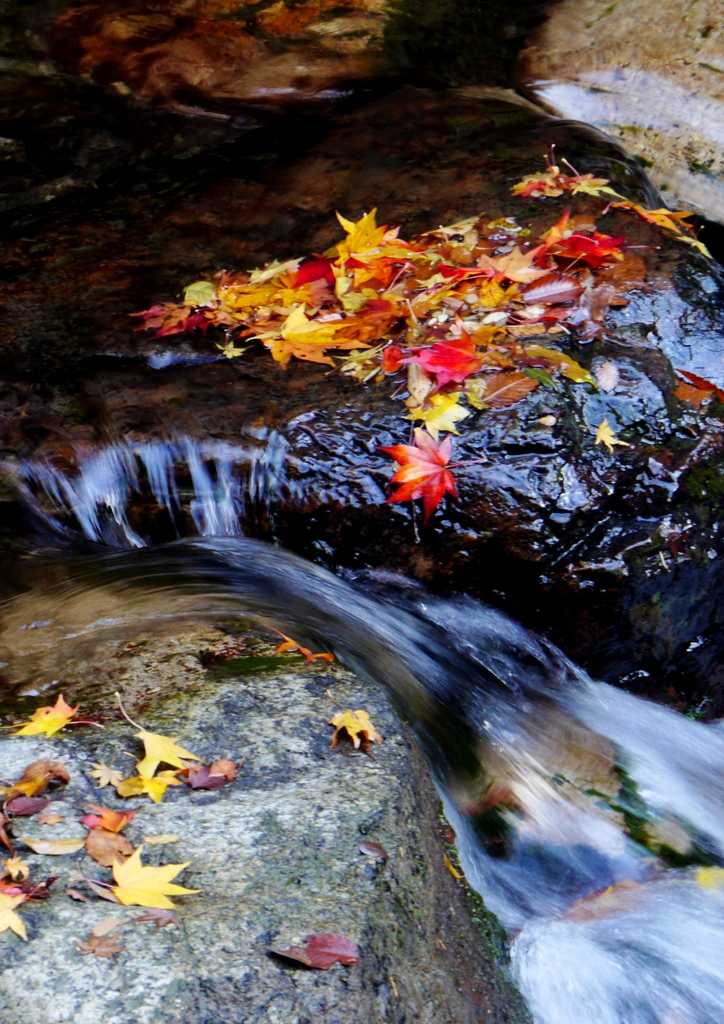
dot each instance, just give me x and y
(592, 822)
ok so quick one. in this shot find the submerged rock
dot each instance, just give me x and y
(650, 75)
(274, 853)
(204, 52)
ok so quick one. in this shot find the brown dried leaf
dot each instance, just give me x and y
(507, 388)
(75, 895)
(99, 890)
(103, 947)
(50, 819)
(322, 951)
(107, 847)
(160, 917)
(105, 927)
(373, 850)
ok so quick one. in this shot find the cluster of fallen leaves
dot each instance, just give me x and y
(135, 883)
(454, 309)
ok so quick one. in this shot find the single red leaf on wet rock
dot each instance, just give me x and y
(322, 951)
(701, 383)
(422, 472)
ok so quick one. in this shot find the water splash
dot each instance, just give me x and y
(206, 483)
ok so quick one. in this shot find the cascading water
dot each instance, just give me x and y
(592, 822)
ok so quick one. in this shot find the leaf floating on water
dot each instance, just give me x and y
(290, 646)
(356, 726)
(607, 376)
(322, 951)
(604, 435)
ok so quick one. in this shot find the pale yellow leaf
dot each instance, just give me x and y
(54, 847)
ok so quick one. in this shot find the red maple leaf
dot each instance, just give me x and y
(450, 360)
(422, 472)
(595, 249)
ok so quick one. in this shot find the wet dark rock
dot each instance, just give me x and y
(577, 542)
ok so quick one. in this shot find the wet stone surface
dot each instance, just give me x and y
(275, 854)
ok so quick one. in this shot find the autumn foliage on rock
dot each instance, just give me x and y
(455, 309)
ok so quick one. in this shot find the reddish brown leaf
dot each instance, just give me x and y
(373, 850)
(322, 951)
(203, 778)
(552, 288)
(160, 917)
(111, 821)
(702, 384)
(23, 806)
(688, 393)
(507, 388)
(75, 895)
(107, 847)
(422, 472)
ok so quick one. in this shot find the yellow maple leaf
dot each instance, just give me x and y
(362, 236)
(590, 186)
(358, 727)
(161, 748)
(515, 265)
(146, 886)
(15, 868)
(48, 720)
(200, 293)
(303, 338)
(106, 776)
(567, 365)
(604, 435)
(156, 786)
(8, 917)
(230, 350)
(442, 413)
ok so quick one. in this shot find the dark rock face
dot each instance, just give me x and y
(613, 555)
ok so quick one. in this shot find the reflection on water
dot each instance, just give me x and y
(585, 816)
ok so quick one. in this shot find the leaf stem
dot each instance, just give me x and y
(125, 713)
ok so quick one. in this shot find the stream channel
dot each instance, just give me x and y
(152, 482)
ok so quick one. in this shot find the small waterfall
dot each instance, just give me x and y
(199, 487)
(591, 821)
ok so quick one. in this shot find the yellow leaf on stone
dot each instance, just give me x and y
(106, 776)
(16, 868)
(54, 847)
(48, 720)
(166, 837)
(604, 435)
(8, 917)
(161, 748)
(146, 886)
(443, 413)
(568, 366)
(357, 725)
(155, 787)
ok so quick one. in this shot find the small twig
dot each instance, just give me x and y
(334, 701)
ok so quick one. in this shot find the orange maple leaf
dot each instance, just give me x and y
(422, 472)
(515, 265)
(48, 720)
